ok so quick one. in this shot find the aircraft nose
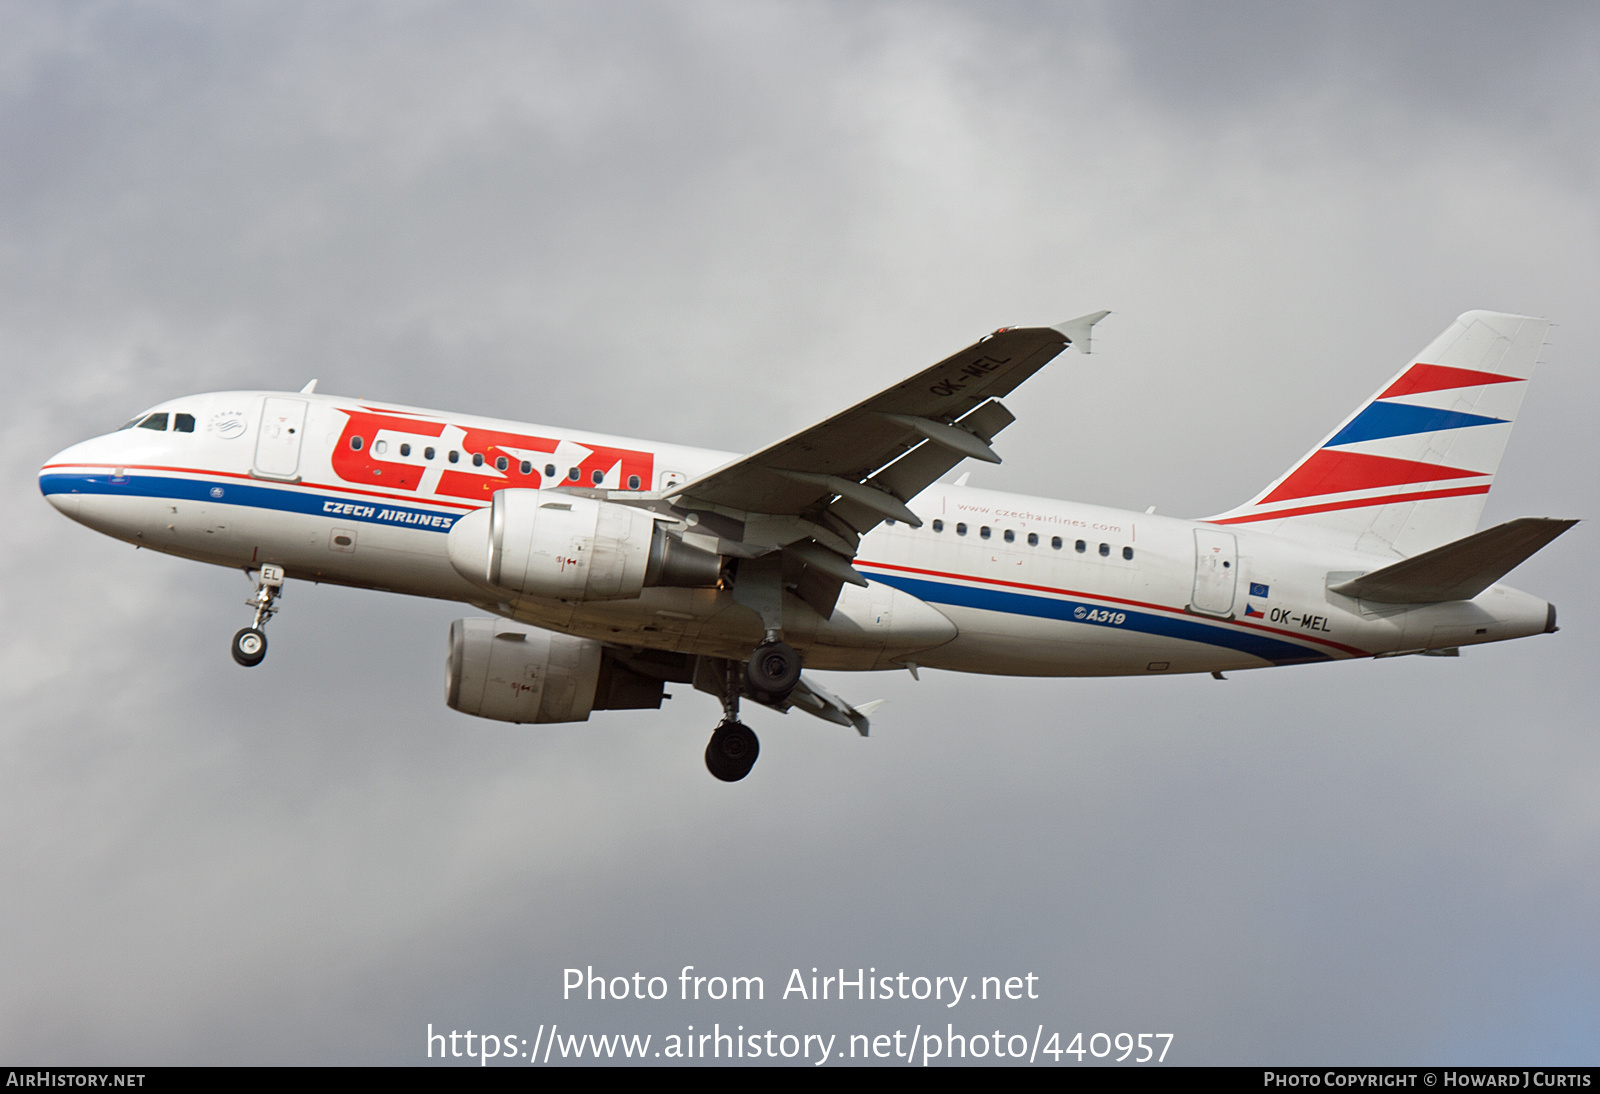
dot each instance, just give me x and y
(56, 482)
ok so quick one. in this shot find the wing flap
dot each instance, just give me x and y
(711, 673)
(857, 442)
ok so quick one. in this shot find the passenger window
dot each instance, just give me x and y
(1105, 550)
(527, 467)
(154, 421)
(183, 423)
(961, 529)
(1011, 537)
(597, 477)
(633, 482)
(572, 474)
(477, 459)
(984, 531)
(355, 444)
(380, 447)
(500, 463)
(549, 470)
(427, 453)
(1055, 541)
(889, 522)
(1127, 553)
(1033, 539)
(454, 456)
(1080, 546)
(938, 526)
(405, 450)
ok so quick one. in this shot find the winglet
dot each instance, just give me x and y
(861, 713)
(1077, 330)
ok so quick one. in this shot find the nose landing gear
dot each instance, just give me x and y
(249, 646)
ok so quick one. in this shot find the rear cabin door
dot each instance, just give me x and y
(283, 426)
(1216, 571)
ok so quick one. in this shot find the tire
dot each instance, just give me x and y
(249, 647)
(774, 669)
(732, 751)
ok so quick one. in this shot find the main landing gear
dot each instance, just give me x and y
(769, 676)
(773, 669)
(249, 646)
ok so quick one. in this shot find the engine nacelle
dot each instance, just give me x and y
(515, 673)
(565, 547)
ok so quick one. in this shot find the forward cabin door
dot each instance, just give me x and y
(1216, 571)
(283, 426)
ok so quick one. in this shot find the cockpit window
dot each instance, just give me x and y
(183, 423)
(129, 425)
(154, 421)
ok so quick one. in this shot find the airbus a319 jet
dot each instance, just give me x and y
(611, 567)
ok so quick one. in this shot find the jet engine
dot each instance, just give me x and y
(515, 673)
(565, 547)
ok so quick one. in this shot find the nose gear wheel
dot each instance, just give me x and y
(249, 647)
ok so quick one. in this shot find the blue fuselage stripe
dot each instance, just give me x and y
(305, 501)
(1090, 614)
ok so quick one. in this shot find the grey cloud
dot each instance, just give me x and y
(716, 223)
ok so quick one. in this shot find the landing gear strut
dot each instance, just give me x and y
(733, 748)
(249, 646)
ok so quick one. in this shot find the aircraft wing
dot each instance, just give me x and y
(814, 493)
(710, 675)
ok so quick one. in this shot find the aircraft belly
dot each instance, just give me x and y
(878, 629)
(1020, 646)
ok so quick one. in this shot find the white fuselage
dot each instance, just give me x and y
(340, 490)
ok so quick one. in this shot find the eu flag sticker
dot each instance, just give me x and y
(1257, 589)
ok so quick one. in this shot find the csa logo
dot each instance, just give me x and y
(216, 491)
(1079, 612)
(227, 424)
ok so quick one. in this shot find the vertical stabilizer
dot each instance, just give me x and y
(1411, 468)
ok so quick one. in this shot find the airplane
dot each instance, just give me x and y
(611, 567)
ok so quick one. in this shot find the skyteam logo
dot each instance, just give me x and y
(227, 424)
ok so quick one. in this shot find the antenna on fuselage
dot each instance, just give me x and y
(309, 388)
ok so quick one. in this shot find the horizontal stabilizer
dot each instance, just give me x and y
(1459, 570)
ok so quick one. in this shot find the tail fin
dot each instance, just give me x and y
(1409, 470)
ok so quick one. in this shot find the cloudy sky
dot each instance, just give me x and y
(713, 223)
